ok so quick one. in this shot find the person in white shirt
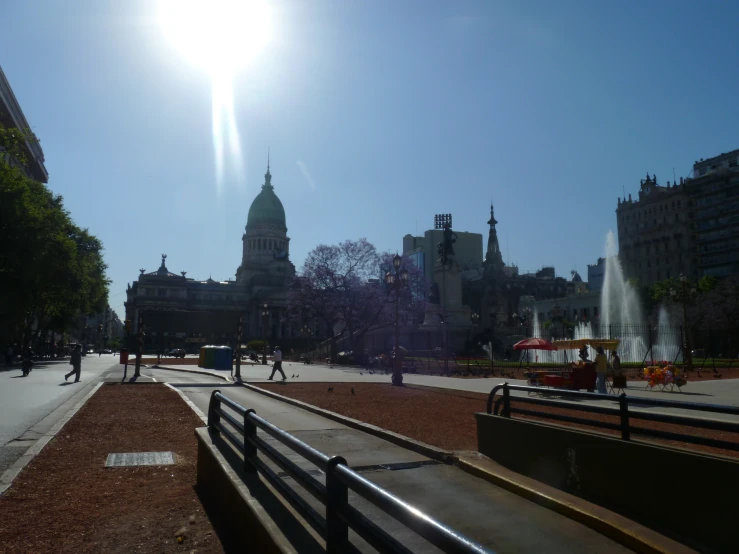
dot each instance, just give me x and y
(277, 365)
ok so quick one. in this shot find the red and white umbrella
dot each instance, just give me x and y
(534, 344)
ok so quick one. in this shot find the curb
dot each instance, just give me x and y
(401, 440)
(6, 480)
(190, 403)
(632, 538)
(613, 531)
(226, 378)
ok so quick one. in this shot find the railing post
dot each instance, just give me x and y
(506, 400)
(623, 405)
(337, 499)
(214, 418)
(250, 449)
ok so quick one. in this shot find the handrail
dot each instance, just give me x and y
(622, 411)
(340, 515)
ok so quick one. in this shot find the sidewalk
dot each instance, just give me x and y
(497, 518)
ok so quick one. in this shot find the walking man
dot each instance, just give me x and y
(76, 361)
(277, 365)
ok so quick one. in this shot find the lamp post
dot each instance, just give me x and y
(683, 295)
(396, 279)
(238, 347)
(265, 319)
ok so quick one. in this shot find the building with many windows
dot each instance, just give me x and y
(654, 232)
(714, 210)
(11, 116)
(689, 228)
(179, 311)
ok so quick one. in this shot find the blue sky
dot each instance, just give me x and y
(378, 115)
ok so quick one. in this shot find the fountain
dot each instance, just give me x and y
(667, 342)
(621, 318)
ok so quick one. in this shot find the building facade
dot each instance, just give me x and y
(654, 233)
(423, 250)
(714, 211)
(596, 275)
(11, 116)
(689, 228)
(179, 311)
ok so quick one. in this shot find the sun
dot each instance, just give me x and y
(219, 36)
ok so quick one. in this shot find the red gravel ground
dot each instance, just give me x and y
(67, 501)
(445, 417)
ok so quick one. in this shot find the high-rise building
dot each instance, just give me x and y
(690, 228)
(714, 210)
(423, 250)
(596, 275)
(11, 116)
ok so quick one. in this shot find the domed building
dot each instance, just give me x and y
(265, 259)
(181, 312)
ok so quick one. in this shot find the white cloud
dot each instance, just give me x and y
(304, 171)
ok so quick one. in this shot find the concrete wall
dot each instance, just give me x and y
(690, 496)
(246, 512)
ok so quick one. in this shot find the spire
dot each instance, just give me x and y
(268, 175)
(492, 221)
(493, 256)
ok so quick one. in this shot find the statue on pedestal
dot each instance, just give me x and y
(445, 248)
(434, 295)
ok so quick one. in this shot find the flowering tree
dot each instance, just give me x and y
(342, 287)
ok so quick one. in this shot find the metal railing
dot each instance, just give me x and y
(623, 412)
(339, 515)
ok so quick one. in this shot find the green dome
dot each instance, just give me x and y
(267, 208)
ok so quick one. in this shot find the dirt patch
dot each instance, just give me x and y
(67, 501)
(445, 417)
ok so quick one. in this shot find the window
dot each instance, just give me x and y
(161, 292)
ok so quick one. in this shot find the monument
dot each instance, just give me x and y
(445, 297)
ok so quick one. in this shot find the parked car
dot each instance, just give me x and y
(177, 353)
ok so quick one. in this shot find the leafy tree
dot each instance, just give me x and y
(51, 271)
(342, 288)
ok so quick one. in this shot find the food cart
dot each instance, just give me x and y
(534, 378)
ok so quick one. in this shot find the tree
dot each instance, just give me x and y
(51, 271)
(342, 288)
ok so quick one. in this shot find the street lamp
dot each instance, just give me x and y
(265, 319)
(396, 279)
(683, 295)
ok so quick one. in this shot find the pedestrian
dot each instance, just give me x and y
(277, 365)
(76, 362)
(615, 362)
(601, 365)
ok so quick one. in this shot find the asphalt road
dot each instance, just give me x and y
(29, 405)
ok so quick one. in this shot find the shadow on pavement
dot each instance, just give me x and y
(292, 528)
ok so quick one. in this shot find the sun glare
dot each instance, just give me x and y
(220, 37)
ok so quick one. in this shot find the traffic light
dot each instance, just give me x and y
(100, 327)
(128, 325)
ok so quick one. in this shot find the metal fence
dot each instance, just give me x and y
(502, 406)
(340, 515)
(638, 343)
